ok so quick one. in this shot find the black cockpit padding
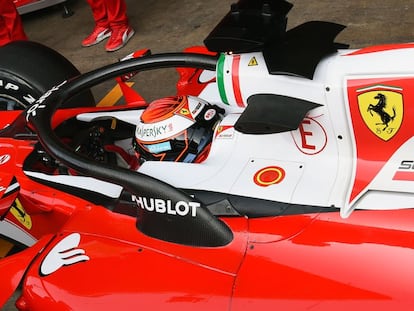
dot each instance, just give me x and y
(261, 26)
(303, 48)
(271, 113)
(249, 26)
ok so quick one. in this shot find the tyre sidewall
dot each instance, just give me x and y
(18, 90)
(29, 69)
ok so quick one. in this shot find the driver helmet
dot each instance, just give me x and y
(176, 128)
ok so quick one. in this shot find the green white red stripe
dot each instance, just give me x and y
(235, 79)
(220, 78)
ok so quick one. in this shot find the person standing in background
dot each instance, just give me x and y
(111, 21)
(11, 26)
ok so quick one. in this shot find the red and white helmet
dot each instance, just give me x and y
(178, 128)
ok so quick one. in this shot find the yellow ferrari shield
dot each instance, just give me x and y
(18, 211)
(382, 112)
(184, 111)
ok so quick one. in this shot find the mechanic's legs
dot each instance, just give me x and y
(11, 27)
(116, 13)
(119, 24)
(102, 29)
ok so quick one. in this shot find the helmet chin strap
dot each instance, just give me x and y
(201, 137)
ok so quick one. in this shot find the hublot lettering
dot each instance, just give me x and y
(181, 208)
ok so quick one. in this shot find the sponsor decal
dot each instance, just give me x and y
(20, 214)
(145, 131)
(268, 176)
(32, 111)
(48, 93)
(405, 171)
(197, 109)
(382, 111)
(209, 114)
(14, 87)
(225, 132)
(180, 208)
(8, 85)
(29, 99)
(252, 62)
(160, 147)
(310, 137)
(38, 105)
(64, 253)
(4, 158)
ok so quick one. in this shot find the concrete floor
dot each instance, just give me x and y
(170, 26)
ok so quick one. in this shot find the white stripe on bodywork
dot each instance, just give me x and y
(81, 182)
(16, 233)
(11, 188)
(129, 116)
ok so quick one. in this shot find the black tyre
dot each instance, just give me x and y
(29, 69)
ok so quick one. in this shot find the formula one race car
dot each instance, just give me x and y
(280, 176)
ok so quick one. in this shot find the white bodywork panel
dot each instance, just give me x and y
(315, 164)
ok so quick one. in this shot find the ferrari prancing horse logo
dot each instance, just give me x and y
(382, 112)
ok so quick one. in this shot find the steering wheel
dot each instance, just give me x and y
(97, 143)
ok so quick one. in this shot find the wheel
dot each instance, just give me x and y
(29, 69)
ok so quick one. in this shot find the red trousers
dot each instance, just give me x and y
(109, 13)
(11, 27)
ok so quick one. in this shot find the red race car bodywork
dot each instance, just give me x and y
(102, 268)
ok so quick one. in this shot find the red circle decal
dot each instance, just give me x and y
(269, 176)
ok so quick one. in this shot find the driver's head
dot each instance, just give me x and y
(178, 128)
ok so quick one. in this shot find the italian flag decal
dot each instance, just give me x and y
(233, 91)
